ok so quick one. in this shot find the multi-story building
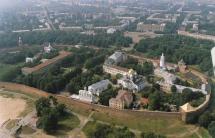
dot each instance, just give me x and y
(141, 27)
(114, 70)
(87, 96)
(116, 58)
(98, 87)
(132, 81)
(122, 100)
(93, 91)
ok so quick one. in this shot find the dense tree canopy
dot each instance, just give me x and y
(49, 112)
(60, 37)
(175, 48)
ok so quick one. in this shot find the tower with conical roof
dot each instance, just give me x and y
(162, 62)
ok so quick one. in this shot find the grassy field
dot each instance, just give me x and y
(169, 127)
(68, 123)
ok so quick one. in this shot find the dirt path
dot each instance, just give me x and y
(188, 133)
(77, 132)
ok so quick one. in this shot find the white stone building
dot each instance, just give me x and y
(29, 60)
(111, 31)
(91, 94)
(195, 27)
(86, 96)
(48, 49)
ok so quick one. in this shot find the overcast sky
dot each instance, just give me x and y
(9, 3)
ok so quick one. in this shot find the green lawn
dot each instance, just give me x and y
(165, 126)
(204, 133)
(27, 130)
(69, 121)
(66, 124)
(89, 127)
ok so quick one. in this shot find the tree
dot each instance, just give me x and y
(193, 51)
(49, 122)
(211, 129)
(173, 89)
(156, 86)
(187, 95)
(205, 119)
(41, 104)
(49, 112)
(105, 96)
(154, 101)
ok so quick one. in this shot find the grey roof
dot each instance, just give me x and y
(101, 83)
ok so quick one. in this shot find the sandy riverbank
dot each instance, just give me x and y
(10, 108)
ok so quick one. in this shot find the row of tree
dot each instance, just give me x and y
(82, 68)
(144, 69)
(158, 100)
(60, 37)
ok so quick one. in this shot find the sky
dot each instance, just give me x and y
(9, 3)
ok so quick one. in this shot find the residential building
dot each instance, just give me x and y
(122, 100)
(141, 27)
(132, 81)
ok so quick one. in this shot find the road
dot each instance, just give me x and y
(48, 18)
